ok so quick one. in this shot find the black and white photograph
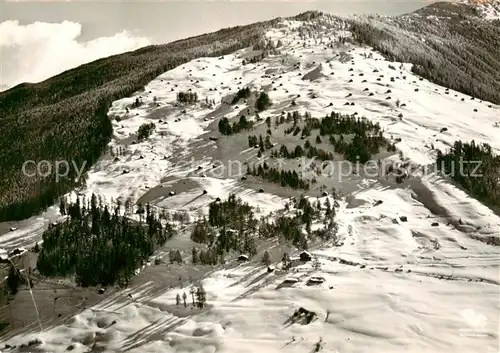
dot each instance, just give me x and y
(250, 176)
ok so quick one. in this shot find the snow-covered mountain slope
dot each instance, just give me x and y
(425, 283)
(448, 43)
(488, 9)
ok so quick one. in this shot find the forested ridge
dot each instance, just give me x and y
(65, 117)
(239, 228)
(448, 44)
(475, 168)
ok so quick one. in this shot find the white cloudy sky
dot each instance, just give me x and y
(39, 39)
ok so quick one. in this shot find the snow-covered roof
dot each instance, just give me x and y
(317, 279)
(17, 250)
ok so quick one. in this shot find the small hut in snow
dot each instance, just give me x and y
(243, 258)
(305, 256)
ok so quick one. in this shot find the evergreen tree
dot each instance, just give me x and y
(13, 280)
(145, 130)
(171, 256)
(201, 297)
(62, 206)
(267, 143)
(241, 94)
(192, 291)
(316, 264)
(263, 102)
(187, 97)
(328, 207)
(266, 258)
(194, 256)
(114, 245)
(178, 257)
(202, 233)
(285, 260)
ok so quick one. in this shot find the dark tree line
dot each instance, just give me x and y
(298, 152)
(475, 168)
(230, 212)
(263, 144)
(226, 128)
(337, 123)
(210, 256)
(363, 137)
(243, 93)
(283, 177)
(203, 231)
(187, 97)
(294, 130)
(99, 246)
(256, 58)
(294, 117)
(175, 256)
(237, 228)
(367, 140)
(290, 227)
(267, 47)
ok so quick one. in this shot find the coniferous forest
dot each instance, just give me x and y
(243, 93)
(475, 168)
(232, 226)
(187, 97)
(367, 137)
(98, 245)
(286, 178)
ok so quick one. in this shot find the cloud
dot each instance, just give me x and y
(37, 51)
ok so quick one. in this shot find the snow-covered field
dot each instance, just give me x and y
(392, 286)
